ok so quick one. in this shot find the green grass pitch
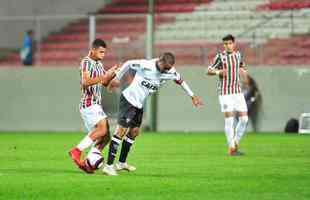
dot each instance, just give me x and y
(169, 166)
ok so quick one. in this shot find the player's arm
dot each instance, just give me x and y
(125, 67)
(103, 79)
(213, 69)
(109, 75)
(212, 72)
(243, 71)
(197, 101)
(243, 68)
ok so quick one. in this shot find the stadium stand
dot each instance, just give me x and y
(70, 43)
(285, 5)
(262, 34)
(192, 29)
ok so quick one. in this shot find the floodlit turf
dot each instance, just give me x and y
(169, 166)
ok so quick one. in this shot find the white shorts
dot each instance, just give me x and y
(233, 103)
(91, 116)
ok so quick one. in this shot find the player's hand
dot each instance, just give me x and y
(224, 73)
(243, 72)
(197, 101)
(112, 71)
(114, 68)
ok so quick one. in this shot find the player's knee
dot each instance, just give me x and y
(244, 119)
(121, 131)
(102, 127)
(134, 132)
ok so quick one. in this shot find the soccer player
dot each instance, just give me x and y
(93, 78)
(149, 76)
(228, 65)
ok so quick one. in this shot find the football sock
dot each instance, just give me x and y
(115, 141)
(127, 143)
(229, 131)
(85, 143)
(241, 127)
(93, 150)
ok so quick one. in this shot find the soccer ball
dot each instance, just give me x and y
(94, 160)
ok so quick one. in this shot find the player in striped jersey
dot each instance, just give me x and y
(149, 77)
(93, 78)
(228, 65)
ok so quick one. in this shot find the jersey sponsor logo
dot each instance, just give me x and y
(149, 85)
(136, 65)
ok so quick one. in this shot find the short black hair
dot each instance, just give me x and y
(167, 58)
(229, 37)
(99, 43)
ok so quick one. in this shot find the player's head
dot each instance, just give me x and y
(165, 61)
(98, 49)
(229, 43)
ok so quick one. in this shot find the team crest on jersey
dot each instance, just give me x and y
(127, 120)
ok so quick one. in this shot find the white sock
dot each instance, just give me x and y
(93, 150)
(229, 131)
(240, 128)
(85, 143)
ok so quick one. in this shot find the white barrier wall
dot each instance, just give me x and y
(47, 99)
(285, 92)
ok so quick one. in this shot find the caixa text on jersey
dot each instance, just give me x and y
(149, 85)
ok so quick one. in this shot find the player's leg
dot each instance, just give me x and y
(229, 131)
(227, 109)
(98, 145)
(100, 135)
(94, 139)
(241, 126)
(242, 118)
(115, 142)
(127, 114)
(96, 123)
(133, 132)
(120, 132)
(99, 131)
(104, 140)
(126, 146)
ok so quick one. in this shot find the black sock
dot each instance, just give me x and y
(115, 141)
(127, 143)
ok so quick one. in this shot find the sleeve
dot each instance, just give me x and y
(131, 64)
(217, 62)
(84, 67)
(172, 75)
(122, 70)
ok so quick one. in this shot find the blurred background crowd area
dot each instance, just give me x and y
(267, 32)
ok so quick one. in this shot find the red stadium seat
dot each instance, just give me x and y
(285, 5)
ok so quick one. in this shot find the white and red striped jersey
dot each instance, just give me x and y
(231, 62)
(91, 95)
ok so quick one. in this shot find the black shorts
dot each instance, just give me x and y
(128, 115)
